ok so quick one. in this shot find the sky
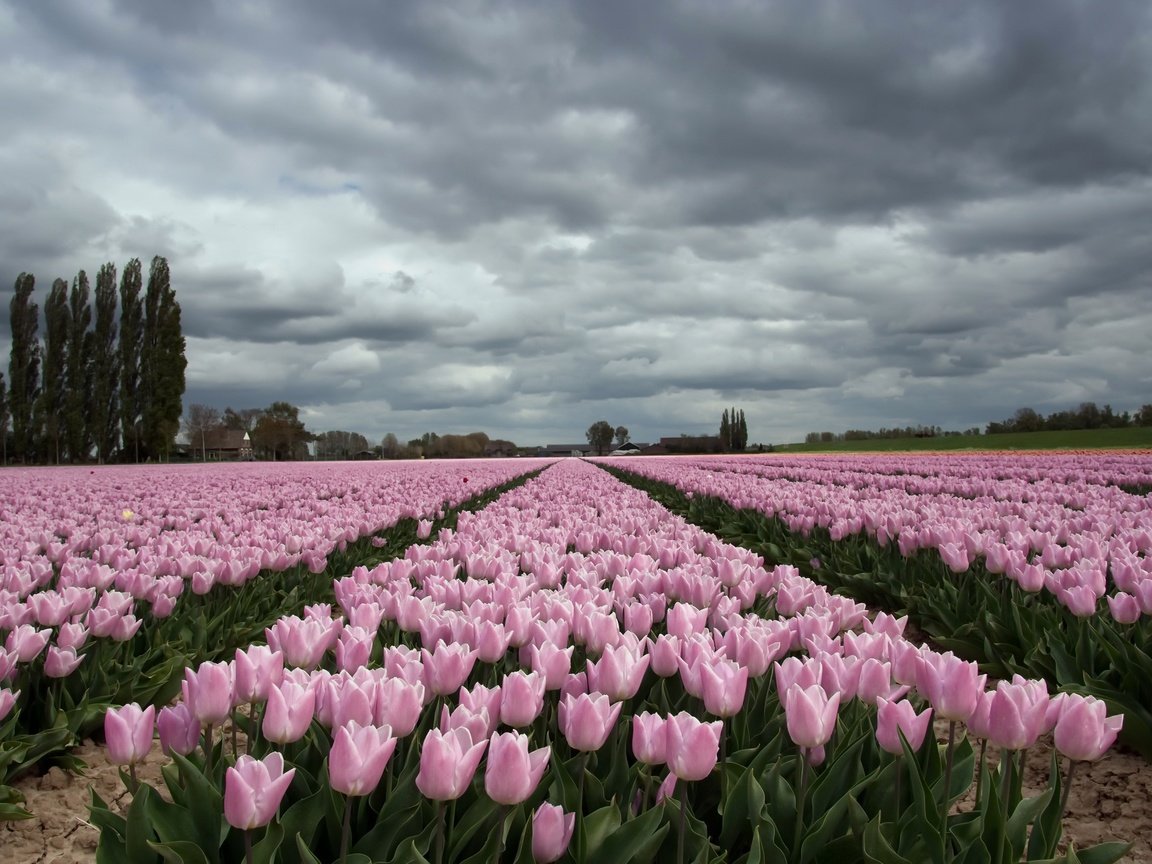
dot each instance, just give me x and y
(524, 217)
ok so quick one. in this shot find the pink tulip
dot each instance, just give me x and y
(586, 720)
(513, 773)
(446, 667)
(358, 758)
(289, 712)
(693, 747)
(810, 715)
(61, 662)
(72, 636)
(667, 788)
(724, 684)
(521, 698)
(208, 692)
(128, 733)
(7, 701)
(448, 762)
(253, 790)
(618, 673)
(552, 830)
(649, 739)
(551, 661)
(951, 685)
(257, 669)
(1124, 608)
(895, 717)
(665, 654)
(684, 620)
(1083, 731)
(398, 705)
(26, 642)
(179, 729)
(1015, 716)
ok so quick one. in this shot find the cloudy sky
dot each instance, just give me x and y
(523, 217)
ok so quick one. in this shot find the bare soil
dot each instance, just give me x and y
(1110, 801)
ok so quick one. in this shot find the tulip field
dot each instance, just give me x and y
(693, 660)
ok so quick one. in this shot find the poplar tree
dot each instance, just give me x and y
(23, 366)
(131, 340)
(162, 362)
(48, 417)
(3, 421)
(103, 413)
(725, 431)
(78, 372)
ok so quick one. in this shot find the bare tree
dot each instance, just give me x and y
(200, 420)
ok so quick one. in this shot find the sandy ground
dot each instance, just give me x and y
(1110, 801)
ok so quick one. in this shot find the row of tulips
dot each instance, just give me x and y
(80, 635)
(973, 606)
(636, 689)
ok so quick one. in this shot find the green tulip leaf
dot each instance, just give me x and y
(637, 840)
(178, 852)
(597, 826)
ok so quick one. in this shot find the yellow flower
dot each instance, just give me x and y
(126, 515)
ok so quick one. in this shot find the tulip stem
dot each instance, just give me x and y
(580, 808)
(1006, 766)
(801, 791)
(346, 828)
(980, 769)
(439, 847)
(899, 789)
(682, 797)
(248, 846)
(208, 749)
(504, 808)
(1067, 787)
(948, 765)
(723, 773)
(133, 783)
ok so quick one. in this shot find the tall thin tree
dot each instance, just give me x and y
(3, 421)
(78, 371)
(162, 362)
(104, 416)
(23, 366)
(131, 340)
(50, 406)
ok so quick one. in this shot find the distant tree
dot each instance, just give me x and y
(725, 431)
(243, 420)
(162, 362)
(3, 421)
(600, 436)
(621, 436)
(78, 372)
(390, 447)
(339, 444)
(23, 366)
(199, 420)
(740, 438)
(1143, 417)
(103, 412)
(50, 406)
(279, 433)
(1027, 420)
(129, 346)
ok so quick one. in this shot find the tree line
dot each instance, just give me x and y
(1087, 416)
(107, 381)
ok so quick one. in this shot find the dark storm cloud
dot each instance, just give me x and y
(522, 215)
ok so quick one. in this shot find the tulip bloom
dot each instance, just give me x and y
(724, 684)
(513, 773)
(552, 830)
(649, 738)
(693, 747)
(587, 719)
(8, 701)
(257, 670)
(128, 733)
(208, 692)
(179, 729)
(61, 662)
(289, 712)
(253, 790)
(951, 685)
(358, 758)
(446, 667)
(1083, 732)
(448, 762)
(521, 698)
(892, 718)
(810, 715)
